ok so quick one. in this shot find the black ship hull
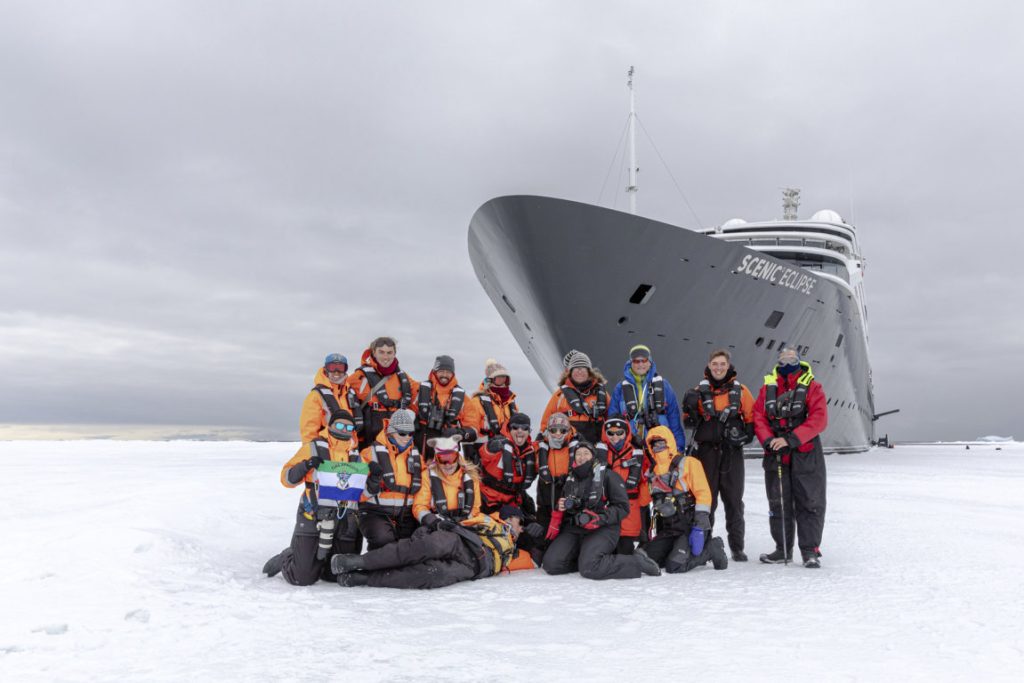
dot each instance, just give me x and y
(568, 275)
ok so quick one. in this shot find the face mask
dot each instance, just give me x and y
(583, 471)
(788, 368)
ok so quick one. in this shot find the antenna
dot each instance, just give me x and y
(632, 188)
(790, 203)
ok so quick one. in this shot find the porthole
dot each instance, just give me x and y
(759, 341)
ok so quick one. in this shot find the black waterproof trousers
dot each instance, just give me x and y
(592, 553)
(801, 501)
(300, 566)
(672, 552)
(426, 560)
(723, 467)
(381, 528)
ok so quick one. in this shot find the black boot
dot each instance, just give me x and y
(739, 556)
(274, 564)
(646, 564)
(811, 560)
(342, 564)
(718, 558)
(776, 557)
(353, 579)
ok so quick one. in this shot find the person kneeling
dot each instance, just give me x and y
(455, 541)
(681, 499)
(584, 528)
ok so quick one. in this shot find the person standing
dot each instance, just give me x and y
(646, 398)
(441, 406)
(491, 407)
(329, 394)
(582, 395)
(722, 410)
(381, 386)
(790, 414)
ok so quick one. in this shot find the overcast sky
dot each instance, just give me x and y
(199, 200)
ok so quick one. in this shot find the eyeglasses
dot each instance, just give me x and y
(519, 429)
(558, 430)
(616, 432)
(641, 360)
(336, 367)
(344, 427)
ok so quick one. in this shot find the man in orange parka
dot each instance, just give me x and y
(442, 407)
(299, 563)
(381, 386)
(455, 541)
(722, 410)
(396, 468)
(790, 414)
(618, 452)
(682, 502)
(329, 394)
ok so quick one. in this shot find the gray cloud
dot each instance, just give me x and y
(197, 203)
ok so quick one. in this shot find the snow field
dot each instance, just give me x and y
(141, 560)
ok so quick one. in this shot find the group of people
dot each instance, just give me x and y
(443, 476)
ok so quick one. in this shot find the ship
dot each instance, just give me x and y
(567, 275)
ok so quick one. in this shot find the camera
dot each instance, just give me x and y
(327, 519)
(573, 504)
(665, 505)
(435, 418)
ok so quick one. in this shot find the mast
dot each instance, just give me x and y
(790, 203)
(632, 188)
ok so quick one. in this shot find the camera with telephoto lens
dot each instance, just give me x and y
(326, 521)
(573, 504)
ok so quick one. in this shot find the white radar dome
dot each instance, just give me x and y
(733, 222)
(828, 216)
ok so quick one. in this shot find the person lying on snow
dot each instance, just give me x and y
(454, 542)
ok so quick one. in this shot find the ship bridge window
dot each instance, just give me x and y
(642, 294)
(822, 262)
(773, 320)
(764, 242)
(790, 242)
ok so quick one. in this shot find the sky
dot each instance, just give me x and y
(199, 200)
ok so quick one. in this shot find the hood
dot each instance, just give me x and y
(662, 432)
(629, 433)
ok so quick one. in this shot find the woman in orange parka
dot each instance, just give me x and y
(617, 450)
(582, 395)
(299, 563)
(491, 407)
(554, 455)
(329, 394)
(682, 501)
(455, 541)
(381, 386)
(396, 468)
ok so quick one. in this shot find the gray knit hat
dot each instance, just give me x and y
(444, 363)
(577, 359)
(402, 420)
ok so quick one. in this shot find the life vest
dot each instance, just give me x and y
(331, 406)
(713, 428)
(517, 470)
(594, 412)
(544, 468)
(450, 413)
(464, 507)
(676, 482)
(654, 402)
(589, 491)
(381, 401)
(413, 465)
(493, 424)
(790, 406)
(630, 459)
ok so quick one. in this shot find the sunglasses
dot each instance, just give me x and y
(616, 432)
(399, 432)
(344, 427)
(519, 429)
(336, 367)
(558, 430)
(641, 360)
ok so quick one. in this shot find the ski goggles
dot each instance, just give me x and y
(659, 446)
(343, 427)
(336, 367)
(789, 362)
(446, 457)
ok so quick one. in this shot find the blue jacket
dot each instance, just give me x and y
(670, 418)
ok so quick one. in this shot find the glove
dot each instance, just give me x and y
(314, 462)
(374, 478)
(701, 520)
(445, 525)
(555, 526)
(588, 519)
(534, 530)
(496, 444)
(545, 476)
(696, 540)
(468, 435)
(691, 402)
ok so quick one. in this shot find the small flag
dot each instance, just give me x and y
(341, 481)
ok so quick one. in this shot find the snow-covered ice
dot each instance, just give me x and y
(141, 560)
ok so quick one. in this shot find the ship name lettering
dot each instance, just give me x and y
(763, 269)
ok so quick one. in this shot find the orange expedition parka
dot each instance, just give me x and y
(331, 449)
(716, 397)
(627, 462)
(488, 413)
(402, 476)
(454, 496)
(450, 403)
(586, 406)
(687, 474)
(553, 463)
(385, 395)
(316, 408)
(507, 471)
